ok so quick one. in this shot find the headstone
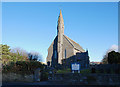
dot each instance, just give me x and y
(37, 74)
(81, 80)
(72, 71)
(110, 80)
(51, 71)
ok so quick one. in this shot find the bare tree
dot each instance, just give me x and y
(19, 54)
(34, 56)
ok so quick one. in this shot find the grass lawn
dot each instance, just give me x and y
(69, 71)
(64, 71)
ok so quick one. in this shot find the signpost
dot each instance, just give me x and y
(75, 67)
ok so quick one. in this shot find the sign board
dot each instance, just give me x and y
(75, 66)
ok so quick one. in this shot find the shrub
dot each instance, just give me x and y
(93, 70)
(44, 76)
(22, 67)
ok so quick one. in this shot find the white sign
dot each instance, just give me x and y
(75, 66)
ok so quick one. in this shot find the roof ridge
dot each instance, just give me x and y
(68, 40)
(73, 43)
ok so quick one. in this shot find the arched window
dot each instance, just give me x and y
(55, 55)
(65, 53)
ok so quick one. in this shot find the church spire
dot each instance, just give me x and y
(60, 19)
(60, 26)
(60, 33)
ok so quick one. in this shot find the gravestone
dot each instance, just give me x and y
(37, 74)
(51, 73)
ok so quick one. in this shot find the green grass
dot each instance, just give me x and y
(64, 71)
(85, 71)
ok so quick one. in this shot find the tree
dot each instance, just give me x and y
(114, 57)
(19, 54)
(35, 56)
(12, 55)
(105, 59)
(5, 53)
(16, 60)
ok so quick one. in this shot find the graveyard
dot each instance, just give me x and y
(31, 71)
(52, 76)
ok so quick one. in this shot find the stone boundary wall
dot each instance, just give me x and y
(106, 66)
(105, 79)
(12, 77)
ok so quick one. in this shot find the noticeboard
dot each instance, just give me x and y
(75, 66)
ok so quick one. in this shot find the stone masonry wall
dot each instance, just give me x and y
(94, 79)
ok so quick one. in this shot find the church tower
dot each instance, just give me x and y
(64, 50)
(60, 33)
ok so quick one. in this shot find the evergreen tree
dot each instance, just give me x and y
(114, 57)
(5, 53)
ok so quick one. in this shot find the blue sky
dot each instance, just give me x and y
(33, 26)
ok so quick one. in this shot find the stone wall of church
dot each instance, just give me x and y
(67, 49)
(50, 53)
(81, 58)
(52, 57)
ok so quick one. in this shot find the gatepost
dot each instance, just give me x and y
(37, 74)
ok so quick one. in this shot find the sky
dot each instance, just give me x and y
(32, 26)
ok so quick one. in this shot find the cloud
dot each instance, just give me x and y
(113, 48)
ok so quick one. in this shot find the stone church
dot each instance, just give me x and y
(65, 49)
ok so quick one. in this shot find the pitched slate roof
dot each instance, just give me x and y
(74, 44)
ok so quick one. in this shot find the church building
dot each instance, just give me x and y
(65, 49)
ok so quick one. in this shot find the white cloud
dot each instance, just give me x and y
(113, 48)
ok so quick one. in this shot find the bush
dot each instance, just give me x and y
(44, 76)
(22, 67)
(93, 70)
